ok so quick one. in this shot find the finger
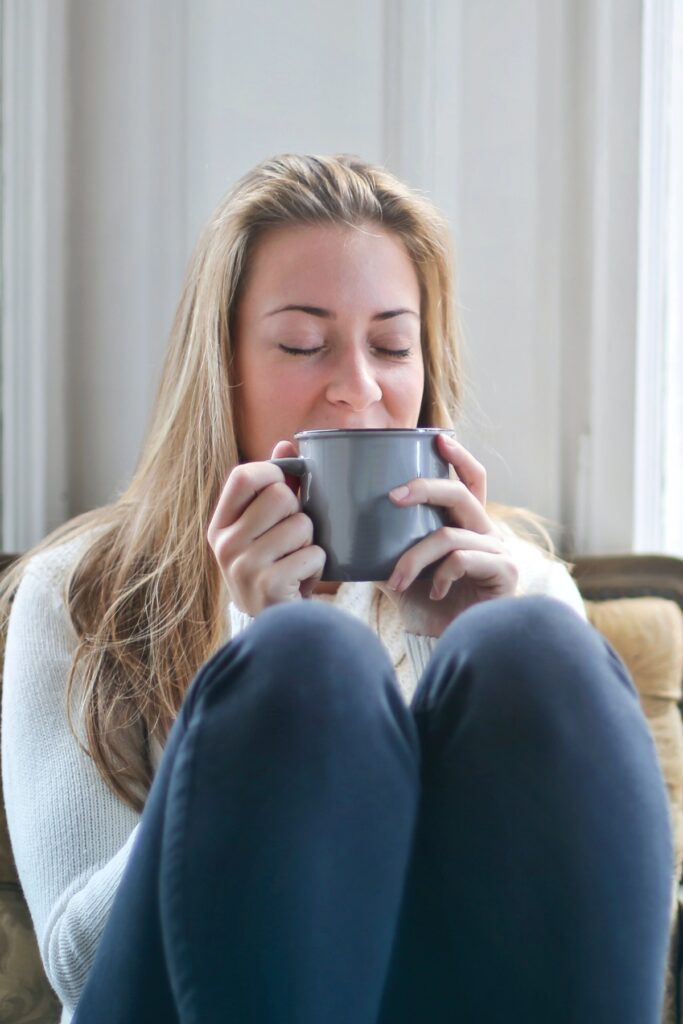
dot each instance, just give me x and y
(435, 546)
(281, 540)
(463, 507)
(494, 572)
(274, 504)
(243, 485)
(306, 587)
(283, 450)
(468, 469)
(284, 578)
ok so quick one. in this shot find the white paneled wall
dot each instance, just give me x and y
(518, 117)
(277, 77)
(126, 245)
(507, 234)
(172, 102)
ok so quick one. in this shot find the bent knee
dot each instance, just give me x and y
(530, 631)
(306, 651)
(315, 632)
(526, 651)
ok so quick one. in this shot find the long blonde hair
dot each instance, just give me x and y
(146, 597)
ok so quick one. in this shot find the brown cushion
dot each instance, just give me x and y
(25, 996)
(647, 632)
(25, 993)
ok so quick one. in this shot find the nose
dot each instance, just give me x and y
(353, 383)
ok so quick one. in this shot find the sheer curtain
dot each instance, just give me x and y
(659, 413)
(2, 276)
(673, 427)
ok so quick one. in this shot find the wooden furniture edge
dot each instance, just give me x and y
(601, 577)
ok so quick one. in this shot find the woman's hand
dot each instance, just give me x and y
(261, 539)
(475, 562)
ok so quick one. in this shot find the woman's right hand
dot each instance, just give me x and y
(262, 540)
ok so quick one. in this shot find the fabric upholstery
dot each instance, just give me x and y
(647, 632)
(25, 994)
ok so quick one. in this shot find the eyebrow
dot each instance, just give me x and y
(327, 314)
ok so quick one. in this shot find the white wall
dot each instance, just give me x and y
(600, 278)
(276, 77)
(171, 102)
(126, 182)
(518, 117)
(508, 235)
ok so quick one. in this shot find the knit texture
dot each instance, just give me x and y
(71, 836)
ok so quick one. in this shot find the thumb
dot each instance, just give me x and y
(283, 450)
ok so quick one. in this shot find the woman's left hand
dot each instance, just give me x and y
(476, 563)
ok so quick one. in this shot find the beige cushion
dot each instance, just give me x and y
(647, 632)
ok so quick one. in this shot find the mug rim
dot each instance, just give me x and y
(346, 432)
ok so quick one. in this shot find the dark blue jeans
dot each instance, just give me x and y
(313, 851)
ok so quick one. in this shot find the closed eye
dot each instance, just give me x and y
(401, 353)
(300, 351)
(397, 353)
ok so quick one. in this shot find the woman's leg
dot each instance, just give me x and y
(540, 889)
(266, 882)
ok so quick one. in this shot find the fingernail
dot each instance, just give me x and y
(434, 592)
(400, 492)
(395, 581)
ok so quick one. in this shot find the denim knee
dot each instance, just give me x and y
(303, 657)
(533, 652)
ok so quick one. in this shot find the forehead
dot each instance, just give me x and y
(328, 264)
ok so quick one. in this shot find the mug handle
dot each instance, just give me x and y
(295, 466)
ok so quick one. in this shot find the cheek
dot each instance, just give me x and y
(279, 391)
(405, 387)
(251, 397)
(298, 380)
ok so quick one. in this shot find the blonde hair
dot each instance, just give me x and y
(146, 597)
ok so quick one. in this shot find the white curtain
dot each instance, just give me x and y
(658, 499)
(673, 465)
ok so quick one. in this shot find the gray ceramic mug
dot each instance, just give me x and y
(346, 476)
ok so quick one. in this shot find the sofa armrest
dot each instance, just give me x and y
(601, 577)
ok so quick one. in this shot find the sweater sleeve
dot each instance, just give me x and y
(239, 620)
(71, 836)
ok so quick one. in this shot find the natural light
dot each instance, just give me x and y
(659, 470)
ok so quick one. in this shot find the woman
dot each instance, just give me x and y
(271, 829)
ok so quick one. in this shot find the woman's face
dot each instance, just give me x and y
(355, 329)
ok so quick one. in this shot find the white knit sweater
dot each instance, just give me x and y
(71, 836)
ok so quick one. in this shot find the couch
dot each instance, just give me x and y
(636, 601)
